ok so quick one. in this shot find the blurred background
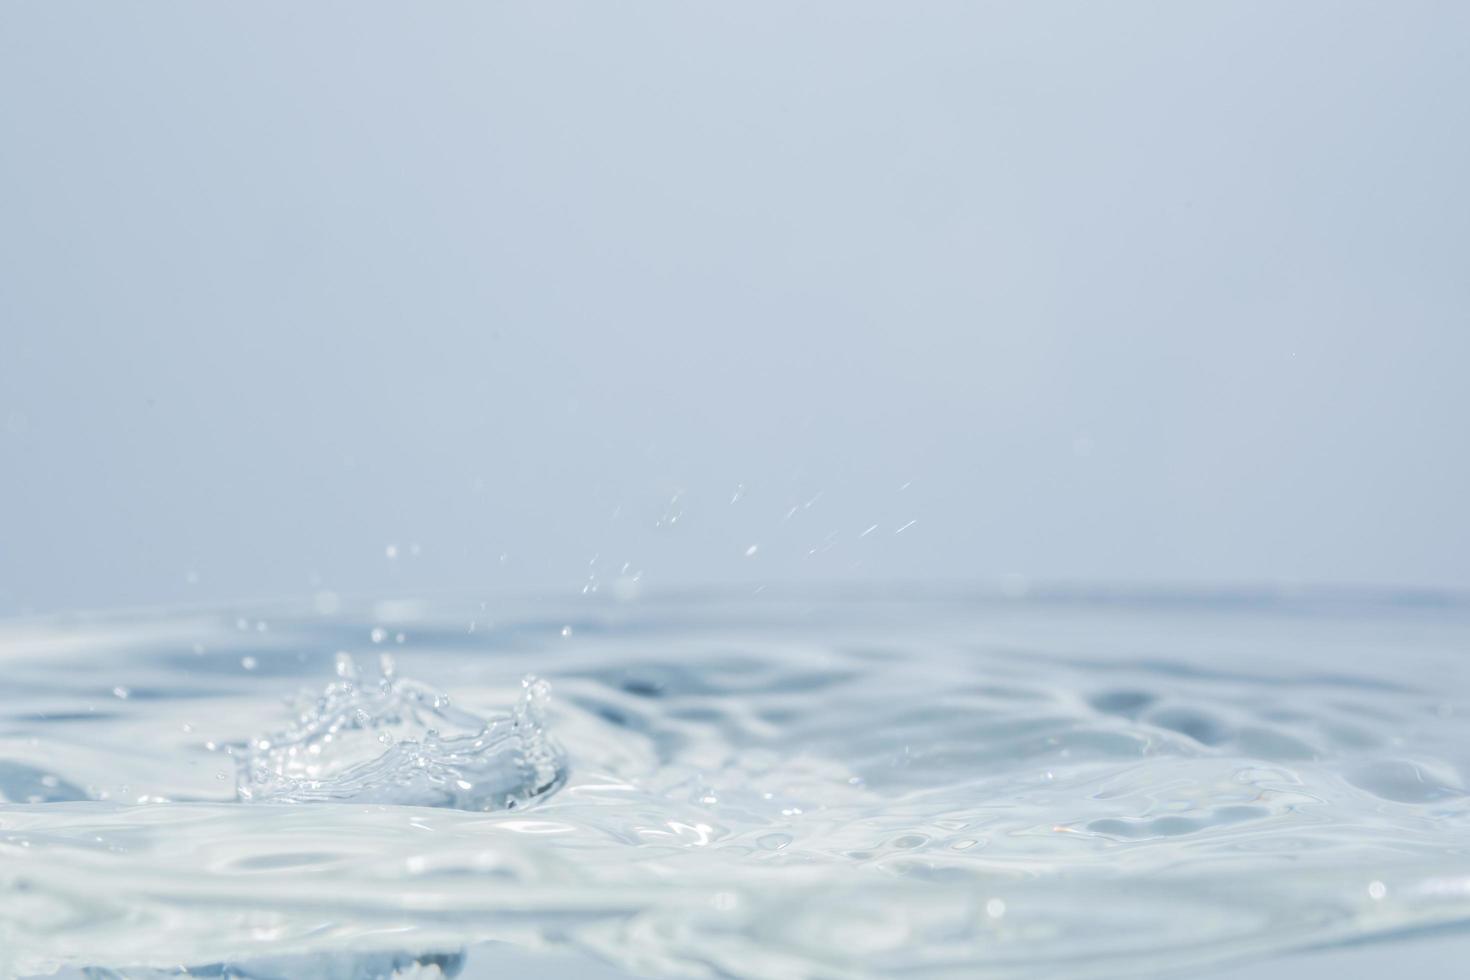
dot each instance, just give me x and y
(381, 298)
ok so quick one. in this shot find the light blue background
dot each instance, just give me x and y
(1131, 292)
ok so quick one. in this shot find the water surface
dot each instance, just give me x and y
(940, 784)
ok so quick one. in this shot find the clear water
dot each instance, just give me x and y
(1050, 787)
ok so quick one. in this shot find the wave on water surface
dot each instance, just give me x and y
(930, 786)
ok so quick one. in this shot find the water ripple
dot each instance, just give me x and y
(744, 789)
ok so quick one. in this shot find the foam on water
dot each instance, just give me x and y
(1056, 787)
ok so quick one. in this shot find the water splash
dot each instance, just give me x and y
(394, 741)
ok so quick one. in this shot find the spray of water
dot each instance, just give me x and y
(388, 740)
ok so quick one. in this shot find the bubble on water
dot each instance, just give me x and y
(566, 631)
(249, 663)
(995, 908)
(1377, 890)
(121, 693)
(378, 634)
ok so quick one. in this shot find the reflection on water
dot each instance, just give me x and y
(938, 785)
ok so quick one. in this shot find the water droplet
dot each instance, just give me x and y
(121, 693)
(249, 663)
(995, 908)
(1377, 890)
